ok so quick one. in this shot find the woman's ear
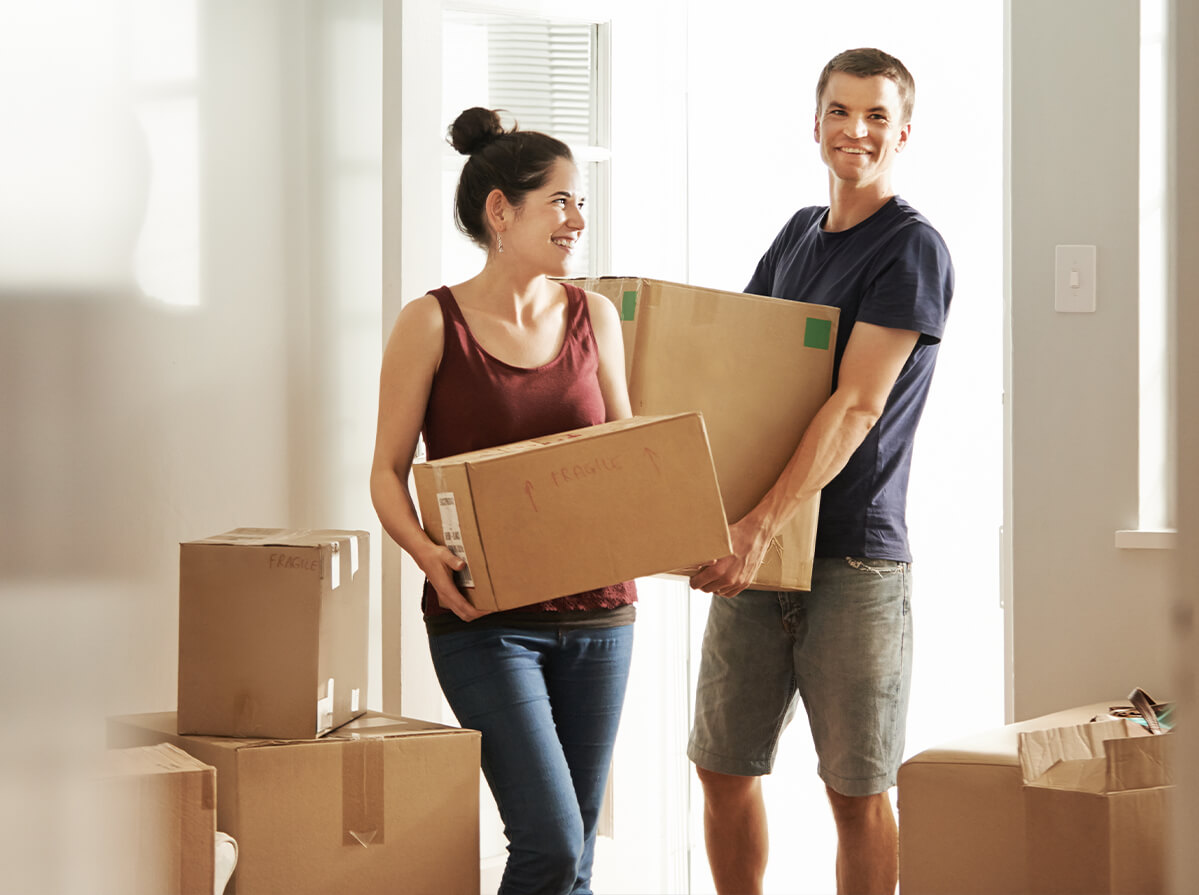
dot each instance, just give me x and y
(499, 211)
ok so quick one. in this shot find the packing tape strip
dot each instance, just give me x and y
(362, 791)
(628, 305)
(198, 789)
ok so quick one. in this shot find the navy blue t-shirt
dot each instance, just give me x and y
(893, 269)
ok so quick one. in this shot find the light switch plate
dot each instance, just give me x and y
(1074, 279)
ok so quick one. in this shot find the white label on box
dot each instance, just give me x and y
(353, 556)
(451, 533)
(354, 699)
(335, 566)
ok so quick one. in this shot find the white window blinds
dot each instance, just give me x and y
(541, 72)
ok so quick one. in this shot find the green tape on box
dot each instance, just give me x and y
(817, 332)
(628, 305)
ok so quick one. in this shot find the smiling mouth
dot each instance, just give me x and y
(852, 150)
(564, 243)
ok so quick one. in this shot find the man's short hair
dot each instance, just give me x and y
(867, 62)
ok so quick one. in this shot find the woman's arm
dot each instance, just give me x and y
(605, 323)
(410, 360)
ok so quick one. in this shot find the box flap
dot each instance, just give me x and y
(163, 758)
(1140, 762)
(1040, 750)
(1079, 757)
(379, 724)
(1078, 775)
(280, 537)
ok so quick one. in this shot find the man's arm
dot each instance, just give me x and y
(873, 360)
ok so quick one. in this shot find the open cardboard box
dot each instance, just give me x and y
(1096, 800)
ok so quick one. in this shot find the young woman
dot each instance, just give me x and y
(505, 356)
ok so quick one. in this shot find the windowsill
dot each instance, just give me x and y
(1156, 539)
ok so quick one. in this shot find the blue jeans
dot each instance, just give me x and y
(844, 650)
(547, 702)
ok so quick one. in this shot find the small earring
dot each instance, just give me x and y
(499, 238)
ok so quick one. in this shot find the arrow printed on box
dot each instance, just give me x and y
(653, 458)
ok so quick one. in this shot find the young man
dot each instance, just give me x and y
(844, 648)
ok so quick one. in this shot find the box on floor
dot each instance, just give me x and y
(273, 632)
(1097, 808)
(379, 806)
(962, 824)
(159, 810)
(757, 368)
(577, 510)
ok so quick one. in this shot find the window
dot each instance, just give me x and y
(1157, 462)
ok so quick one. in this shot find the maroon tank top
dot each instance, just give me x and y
(477, 401)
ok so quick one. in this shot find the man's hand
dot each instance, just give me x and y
(729, 576)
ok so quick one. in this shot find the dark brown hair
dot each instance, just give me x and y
(515, 162)
(867, 62)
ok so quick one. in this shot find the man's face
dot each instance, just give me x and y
(860, 129)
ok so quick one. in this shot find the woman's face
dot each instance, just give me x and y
(546, 229)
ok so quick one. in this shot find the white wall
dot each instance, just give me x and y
(1088, 619)
(133, 421)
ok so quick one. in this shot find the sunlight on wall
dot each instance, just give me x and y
(1157, 461)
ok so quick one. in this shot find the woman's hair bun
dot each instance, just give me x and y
(474, 129)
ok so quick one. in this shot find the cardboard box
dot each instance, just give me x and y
(273, 632)
(961, 810)
(1096, 801)
(379, 806)
(159, 823)
(757, 368)
(578, 510)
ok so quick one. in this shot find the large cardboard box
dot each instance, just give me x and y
(961, 810)
(273, 632)
(379, 806)
(157, 837)
(757, 368)
(577, 510)
(1096, 801)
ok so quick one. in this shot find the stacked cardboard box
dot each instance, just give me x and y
(380, 805)
(273, 632)
(757, 368)
(320, 795)
(160, 813)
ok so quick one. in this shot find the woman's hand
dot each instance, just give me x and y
(439, 564)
